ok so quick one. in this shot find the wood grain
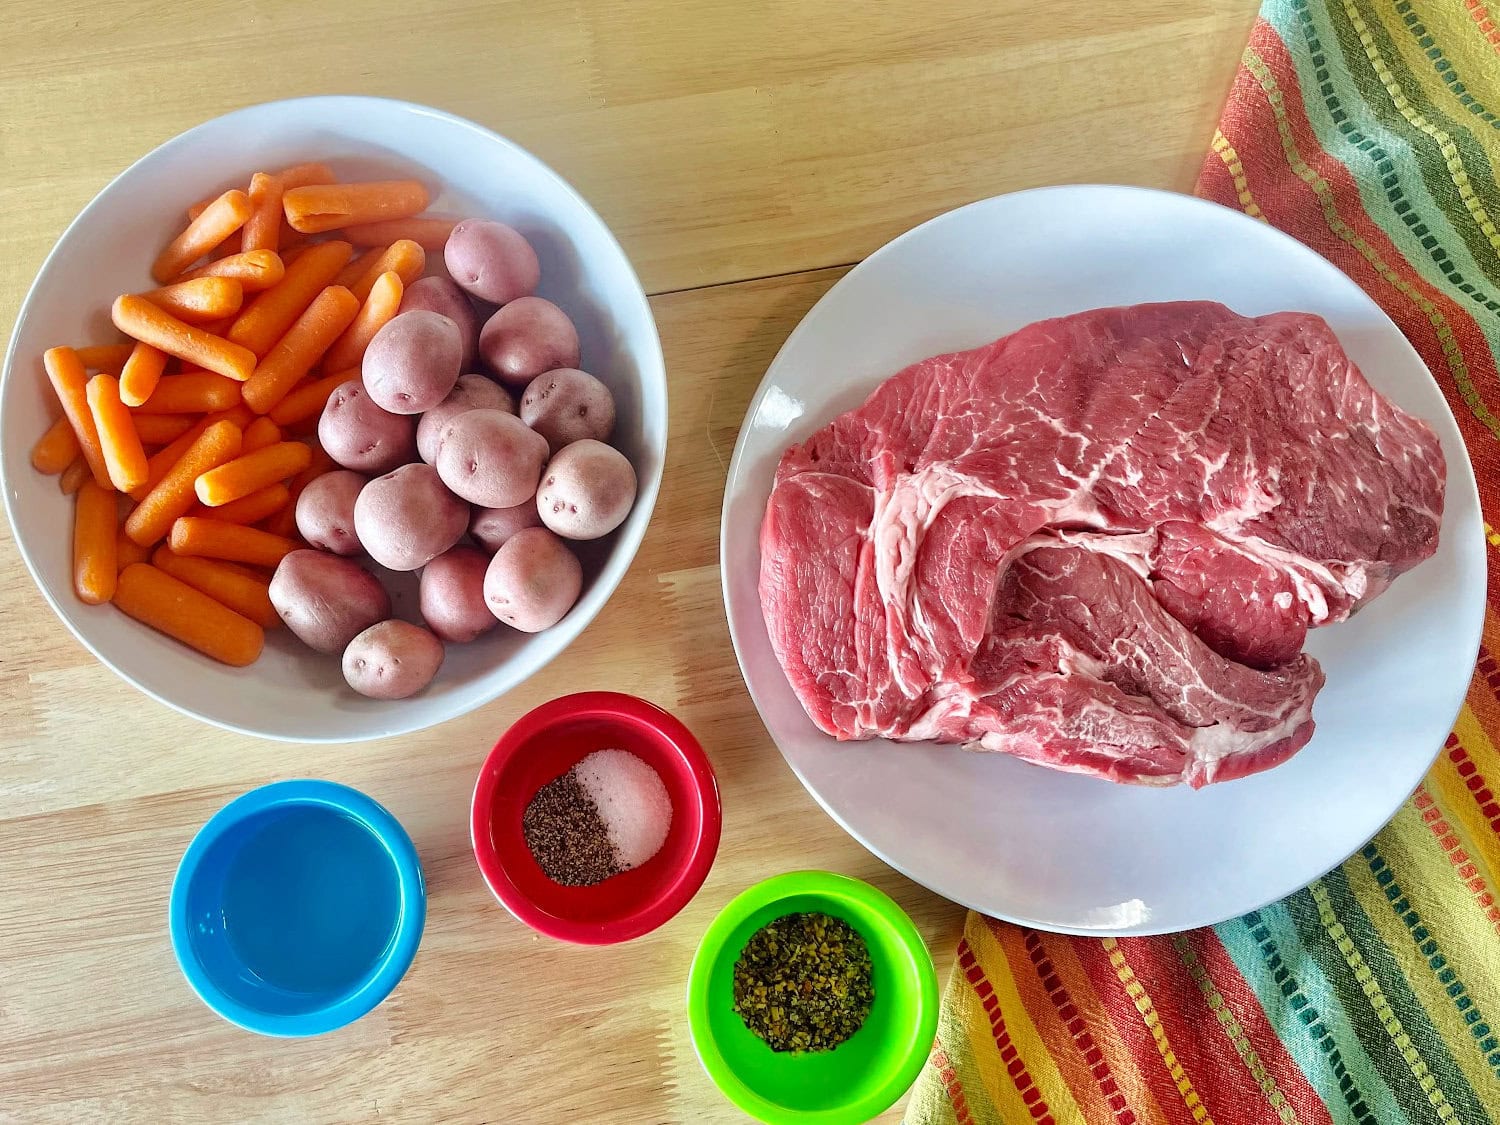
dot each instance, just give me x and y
(723, 140)
(720, 139)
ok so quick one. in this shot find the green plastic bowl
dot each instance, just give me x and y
(862, 1076)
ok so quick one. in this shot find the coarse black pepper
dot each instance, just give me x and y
(566, 834)
(803, 982)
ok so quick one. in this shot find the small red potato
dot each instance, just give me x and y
(525, 338)
(568, 405)
(407, 518)
(532, 581)
(492, 261)
(491, 527)
(325, 511)
(471, 392)
(325, 600)
(490, 458)
(413, 361)
(359, 435)
(587, 490)
(442, 296)
(392, 660)
(451, 596)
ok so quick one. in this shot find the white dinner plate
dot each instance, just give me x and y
(1062, 851)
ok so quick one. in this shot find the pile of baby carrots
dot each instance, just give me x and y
(189, 444)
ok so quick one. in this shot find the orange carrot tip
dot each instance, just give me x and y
(427, 232)
(124, 458)
(199, 299)
(139, 318)
(324, 207)
(55, 450)
(302, 175)
(220, 219)
(69, 381)
(255, 270)
(104, 357)
(171, 606)
(262, 230)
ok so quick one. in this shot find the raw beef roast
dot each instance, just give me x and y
(1097, 543)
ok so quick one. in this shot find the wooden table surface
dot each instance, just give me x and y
(744, 151)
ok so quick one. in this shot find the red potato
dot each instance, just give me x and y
(527, 337)
(587, 490)
(442, 296)
(490, 458)
(359, 435)
(568, 405)
(451, 596)
(491, 527)
(492, 261)
(325, 600)
(413, 361)
(532, 581)
(392, 660)
(471, 392)
(325, 511)
(407, 518)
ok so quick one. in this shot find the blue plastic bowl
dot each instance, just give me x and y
(297, 908)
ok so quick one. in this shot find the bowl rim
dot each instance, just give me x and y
(614, 569)
(883, 913)
(653, 911)
(376, 984)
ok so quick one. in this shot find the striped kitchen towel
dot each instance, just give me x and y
(1370, 130)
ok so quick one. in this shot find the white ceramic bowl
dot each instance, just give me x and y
(292, 693)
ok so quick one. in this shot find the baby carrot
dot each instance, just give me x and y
(124, 458)
(268, 317)
(426, 232)
(70, 381)
(200, 299)
(380, 306)
(219, 220)
(259, 434)
(128, 551)
(257, 506)
(250, 472)
(262, 229)
(193, 392)
(140, 319)
(160, 429)
(196, 209)
(173, 494)
(224, 582)
(74, 475)
(94, 524)
(214, 539)
(310, 398)
(321, 207)
(303, 345)
(404, 258)
(355, 270)
(55, 450)
(161, 462)
(104, 357)
(169, 605)
(284, 522)
(141, 373)
(301, 175)
(255, 270)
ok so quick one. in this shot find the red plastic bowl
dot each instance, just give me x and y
(546, 743)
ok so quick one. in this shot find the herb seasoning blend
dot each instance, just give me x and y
(803, 982)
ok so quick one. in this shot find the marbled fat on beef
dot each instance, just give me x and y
(1096, 543)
